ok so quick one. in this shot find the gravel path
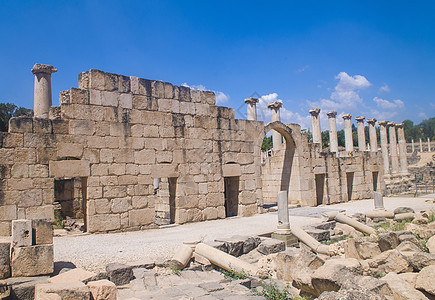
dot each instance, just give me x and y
(94, 251)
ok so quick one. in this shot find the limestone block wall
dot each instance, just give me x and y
(118, 134)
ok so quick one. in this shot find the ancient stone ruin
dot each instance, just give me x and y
(130, 153)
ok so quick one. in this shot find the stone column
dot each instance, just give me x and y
(315, 121)
(348, 132)
(252, 108)
(428, 144)
(393, 148)
(384, 146)
(421, 146)
(402, 149)
(373, 136)
(276, 136)
(42, 93)
(412, 145)
(333, 140)
(283, 217)
(361, 133)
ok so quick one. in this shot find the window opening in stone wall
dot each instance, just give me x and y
(375, 181)
(320, 187)
(349, 177)
(70, 203)
(231, 193)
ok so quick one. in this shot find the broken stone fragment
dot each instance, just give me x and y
(102, 290)
(425, 280)
(5, 262)
(269, 246)
(403, 210)
(66, 290)
(119, 274)
(72, 275)
(401, 288)
(32, 260)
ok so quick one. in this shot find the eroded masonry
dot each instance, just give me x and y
(130, 153)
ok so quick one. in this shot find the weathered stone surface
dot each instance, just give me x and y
(32, 260)
(119, 274)
(401, 288)
(234, 245)
(5, 262)
(367, 250)
(389, 261)
(403, 210)
(218, 245)
(143, 263)
(431, 245)
(24, 287)
(318, 234)
(423, 230)
(250, 244)
(102, 290)
(269, 246)
(72, 275)
(42, 231)
(284, 261)
(67, 291)
(419, 260)
(21, 233)
(387, 241)
(408, 246)
(425, 280)
(351, 294)
(330, 225)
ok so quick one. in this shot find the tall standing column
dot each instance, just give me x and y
(42, 93)
(276, 136)
(373, 136)
(428, 144)
(251, 108)
(384, 146)
(348, 132)
(421, 146)
(333, 141)
(361, 133)
(402, 149)
(283, 216)
(315, 121)
(393, 148)
(412, 145)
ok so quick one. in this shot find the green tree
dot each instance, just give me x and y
(325, 139)
(267, 143)
(340, 138)
(9, 110)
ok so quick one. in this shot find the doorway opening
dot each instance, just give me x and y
(349, 177)
(320, 187)
(375, 181)
(165, 190)
(231, 192)
(70, 202)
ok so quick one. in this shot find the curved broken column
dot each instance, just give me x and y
(315, 121)
(372, 135)
(42, 91)
(342, 218)
(251, 108)
(384, 146)
(348, 132)
(393, 148)
(402, 149)
(333, 141)
(276, 136)
(361, 133)
(308, 240)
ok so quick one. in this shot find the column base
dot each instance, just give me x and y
(289, 239)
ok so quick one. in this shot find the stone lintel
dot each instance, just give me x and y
(347, 116)
(69, 168)
(40, 68)
(231, 170)
(331, 114)
(314, 112)
(371, 121)
(164, 171)
(275, 105)
(360, 119)
(251, 100)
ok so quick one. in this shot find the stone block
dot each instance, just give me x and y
(42, 231)
(104, 222)
(42, 126)
(269, 246)
(231, 170)
(119, 274)
(138, 217)
(24, 287)
(69, 150)
(67, 291)
(102, 290)
(8, 212)
(21, 233)
(318, 234)
(73, 275)
(45, 211)
(32, 260)
(69, 168)
(21, 124)
(5, 262)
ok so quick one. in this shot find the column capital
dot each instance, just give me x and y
(275, 105)
(251, 100)
(40, 68)
(331, 114)
(399, 125)
(360, 119)
(391, 124)
(347, 116)
(371, 121)
(383, 123)
(314, 112)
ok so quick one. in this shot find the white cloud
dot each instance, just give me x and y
(385, 88)
(220, 96)
(422, 115)
(389, 105)
(302, 69)
(345, 94)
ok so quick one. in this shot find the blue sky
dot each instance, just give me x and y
(371, 58)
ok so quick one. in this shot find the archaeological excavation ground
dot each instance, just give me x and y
(122, 154)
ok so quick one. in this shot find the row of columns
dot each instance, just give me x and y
(421, 145)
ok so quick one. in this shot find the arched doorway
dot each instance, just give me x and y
(280, 172)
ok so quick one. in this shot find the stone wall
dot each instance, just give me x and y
(120, 133)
